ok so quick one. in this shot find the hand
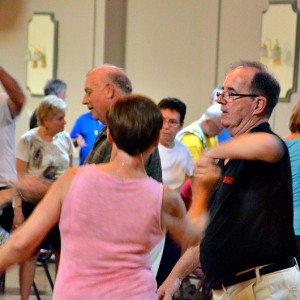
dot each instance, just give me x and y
(80, 141)
(167, 290)
(206, 173)
(18, 217)
(32, 188)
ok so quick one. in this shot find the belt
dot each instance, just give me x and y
(251, 274)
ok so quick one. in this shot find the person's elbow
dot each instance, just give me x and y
(274, 149)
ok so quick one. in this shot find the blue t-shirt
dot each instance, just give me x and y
(294, 151)
(224, 136)
(88, 128)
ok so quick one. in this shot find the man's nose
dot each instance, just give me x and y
(221, 100)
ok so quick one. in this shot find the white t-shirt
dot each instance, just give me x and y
(48, 159)
(8, 143)
(176, 163)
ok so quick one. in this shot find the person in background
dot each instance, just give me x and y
(176, 161)
(293, 143)
(55, 87)
(84, 133)
(44, 152)
(112, 250)
(202, 134)
(177, 165)
(199, 137)
(103, 85)
(249, 243)
(11, 103)
(223, 136)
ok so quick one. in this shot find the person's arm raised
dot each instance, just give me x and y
(251, 146)
(17, 98)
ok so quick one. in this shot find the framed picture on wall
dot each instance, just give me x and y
(279, 49)
(41, 56)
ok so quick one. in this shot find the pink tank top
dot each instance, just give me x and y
(108, 226)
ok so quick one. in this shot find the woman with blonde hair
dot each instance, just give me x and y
(43, 154)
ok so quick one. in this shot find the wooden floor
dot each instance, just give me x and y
(12, 284)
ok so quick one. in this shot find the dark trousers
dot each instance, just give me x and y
(298, 251)
(170, 256)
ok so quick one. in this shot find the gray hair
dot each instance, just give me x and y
(213, 97)
(49, 107)
(213, 112)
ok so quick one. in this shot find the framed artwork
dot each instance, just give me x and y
(41, 56)
(279, 49)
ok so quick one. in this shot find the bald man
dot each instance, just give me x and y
(103, 85)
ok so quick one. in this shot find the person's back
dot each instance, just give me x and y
(116, 250)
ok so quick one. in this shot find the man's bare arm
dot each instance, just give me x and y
(17, 98)
(251, 146)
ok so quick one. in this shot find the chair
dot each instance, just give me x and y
(201, 292)
(43, 260)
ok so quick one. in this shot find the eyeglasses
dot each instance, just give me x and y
(171, 123)
(229, 95)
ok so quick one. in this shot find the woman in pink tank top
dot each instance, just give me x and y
(110, 215)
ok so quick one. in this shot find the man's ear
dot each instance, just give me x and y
(109, 137)
(260, 103)
(110, 91)
(180, 125)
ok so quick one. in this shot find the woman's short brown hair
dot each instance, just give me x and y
(134, 123)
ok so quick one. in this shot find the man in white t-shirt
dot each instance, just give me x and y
(177, 165)
(11, 103)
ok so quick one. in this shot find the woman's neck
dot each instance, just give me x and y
(292, 136)
(124, 165)
(45, 134)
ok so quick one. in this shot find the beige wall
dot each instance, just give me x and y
(176, 48)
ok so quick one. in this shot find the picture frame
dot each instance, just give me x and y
(279, 49)
(41, 53)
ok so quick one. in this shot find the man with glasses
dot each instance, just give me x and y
(177, 166)
(249, 245)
